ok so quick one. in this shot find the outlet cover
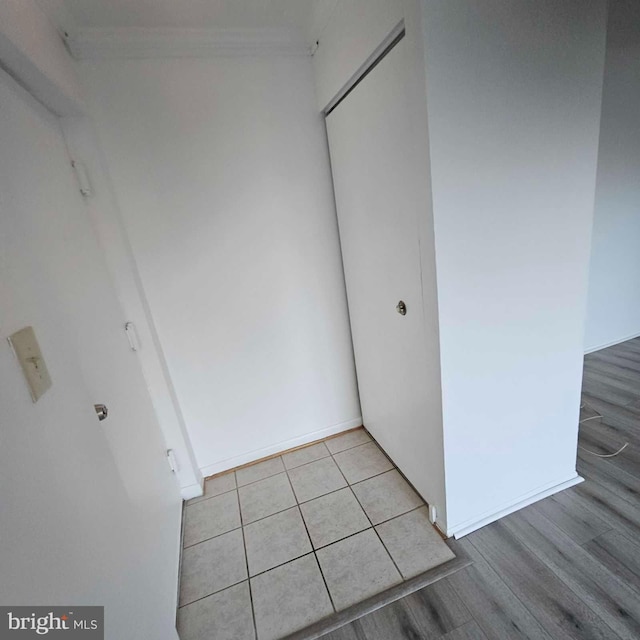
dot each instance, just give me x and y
(27, 350)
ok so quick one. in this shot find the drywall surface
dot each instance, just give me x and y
(103, 209)
(353, 32)
(32, 51)
(90, 511)
(613, 312)
(513, 93)
(220, 169)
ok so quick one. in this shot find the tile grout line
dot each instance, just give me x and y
(384, 546)
(310, 461)
(394, 467)
(335, 436)
(213, 593)
(363, 479)
(180, 559)
(313, 551)
(286, 470)
(201, 499)
(246, 563)
(349, 486)
(330, 455)
(324, 581)
(402, 579)
(334, 453)
(270, 475)
(298, 504)
(195, 544)
(282, 564)
(404, 513)
(238, 486)
(313, 548)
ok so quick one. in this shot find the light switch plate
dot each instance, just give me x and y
(27, 350)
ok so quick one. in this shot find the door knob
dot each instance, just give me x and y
(401, 308)
(101, 411)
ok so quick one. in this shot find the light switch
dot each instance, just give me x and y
(27, 350)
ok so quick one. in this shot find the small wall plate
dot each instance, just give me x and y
(27, 350)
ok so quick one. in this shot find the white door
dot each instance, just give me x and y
(369, 135)
(89, 510)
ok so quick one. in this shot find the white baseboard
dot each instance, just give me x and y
(192, 491)
(469, 526)
(257, 454)
(611, 344)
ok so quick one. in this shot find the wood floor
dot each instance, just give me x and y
(566, 567)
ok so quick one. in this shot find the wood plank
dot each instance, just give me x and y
(623, 361)
(428, 613)
(493, 605)
(604, 439)
(575, 520)
(625, 349)
(614, 415)
(611, 435)
(620, 514)
(612, 600)
(587, 414)
(619, 554)
(608, 391)
(470, 631)
(619, 378)
(609, 475)
(558, 609)
(351, 631)
(612, 371)
(608, 368)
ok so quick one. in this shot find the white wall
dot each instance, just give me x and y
(514, 92)
(354, 31)
(90, 511)
(31, 50)
(103, 209)
(220, 168)
(613, 312)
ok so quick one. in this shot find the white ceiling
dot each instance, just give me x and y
(305, 18)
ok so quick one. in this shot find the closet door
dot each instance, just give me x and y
(369, 135)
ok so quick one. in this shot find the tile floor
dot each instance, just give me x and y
(274, 547)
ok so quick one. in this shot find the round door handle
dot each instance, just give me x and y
(401, 308)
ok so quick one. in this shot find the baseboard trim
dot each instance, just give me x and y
(275, 449)
(611, 344)
(468, 527)
(192, 491)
